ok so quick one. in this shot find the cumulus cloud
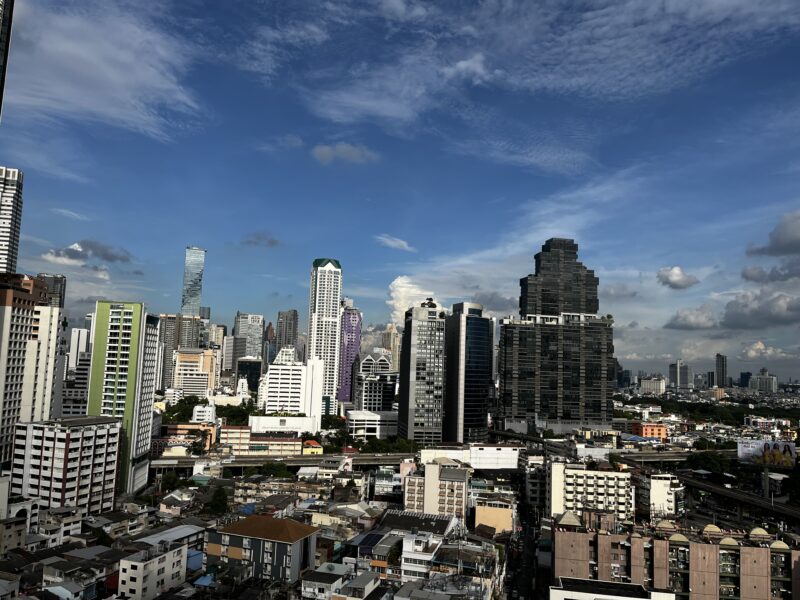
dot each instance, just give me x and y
(618, 291)
(79, 253)
(790, 269)
(761, 309)
(260, 239)
(497, 304)
(758, 351)
(389, 241)
(472, 69)
(701, 317)
(784, 239)
(351, 153)
(403, 294)
(676, 278)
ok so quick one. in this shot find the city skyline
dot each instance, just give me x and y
(578, 152)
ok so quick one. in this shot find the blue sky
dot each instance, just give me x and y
(431, 148)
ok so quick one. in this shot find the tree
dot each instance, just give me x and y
(333, 422)
(218, 505)
(169, 481)
(275, 469)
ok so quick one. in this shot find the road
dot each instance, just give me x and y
(747, 498)
(289, 461)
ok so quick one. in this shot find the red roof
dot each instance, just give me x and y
(313, 443)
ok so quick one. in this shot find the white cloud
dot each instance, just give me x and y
(404, 293)
(392, 242)
(702, 317)
(70, 214)
(352, 153)
(472, 69)
(288, 141)
(784, 239)
(760, 351)
(676, 278)
(107, 62)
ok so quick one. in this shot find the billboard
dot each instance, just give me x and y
(768, 453)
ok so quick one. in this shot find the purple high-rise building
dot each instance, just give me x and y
(349, 348)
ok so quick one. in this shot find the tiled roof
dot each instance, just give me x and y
(268, 528)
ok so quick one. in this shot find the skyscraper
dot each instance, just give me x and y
(193, 266)
(10, 217)
(122, 382)
(56, 288)
(176, 331)
(251, 327)
(29, 333)
(349, 347)
(391, 340)
(6, 19)
(270, 344)
(422, 383)
(469, 352)
(680, 375)
(557, 360)
(287, 328)
(324, 325)
(721, 370)
(233, 348)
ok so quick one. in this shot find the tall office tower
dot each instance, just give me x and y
(391, 340)
(680, 375)
(193, 266)
(556, 361)
(122, 382)
(324, 324)
(10, 216)
(29, 333)
(287, 329)
(374, 383)
(6, 19)
(233, 348)
(422, 372)
(205, 313)
(710, 379)
(56, 288)
(67, 462)
(349, 347)
(292, 386)
(270, 344)
(78, 343)
(216, 335)
(469, 360)
(721, 371)
(250, 368)
(194, 371)
(251, 327)
(175, 332)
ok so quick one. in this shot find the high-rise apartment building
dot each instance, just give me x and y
(288, 322)
(216, 335)
(193, 266)
(270, 344)
(289, 386)
(392, 341)
(233, 348)
(721, 370)
(29, 334)
(374, 383)
(250, 327)
(324, 324)
(56, 288)
(194, 371)
(10, 210)
(557, 359)
(67, 462)
(680, 375)
(122, 381)
(78, 343)
(176, 331)
(422, 374)
(469, 352)
(75, 391)
(349, 347)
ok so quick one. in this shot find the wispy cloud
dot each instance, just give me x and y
(389, 241)
(288, 141)
(70, 214)
(342, 151)
(260, 239)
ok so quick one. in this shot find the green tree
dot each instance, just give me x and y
(169, 481)
(218, 505)
(333, 422)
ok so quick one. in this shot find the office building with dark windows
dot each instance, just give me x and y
(193, 267)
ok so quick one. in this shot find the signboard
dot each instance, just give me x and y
(768, 453)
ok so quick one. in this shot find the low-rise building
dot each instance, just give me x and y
(569, 588)
(650, 430)
(368, 425)
(659, 496)
(441, 489)
(151, 572)
(574, 487)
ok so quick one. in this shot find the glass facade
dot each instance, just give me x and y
(192, 281)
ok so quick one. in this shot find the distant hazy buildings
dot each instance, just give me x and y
(557, 359)
(122, 381)
(763, 382)
(56, 288)
(391, 340)
(193, 267)
(721, 371)
(10, 205)
(233, 348)
(250, 327)
(469, 350)
(680, 376)
(324, 324)
(652, 386)
(422, 374)
(176, 331)
(287, 329)
(348, 348)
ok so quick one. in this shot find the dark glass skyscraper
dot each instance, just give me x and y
(469, 354)
(56, 289)
(557, 360)
(349, 347)
(192, 281)
(287, 328)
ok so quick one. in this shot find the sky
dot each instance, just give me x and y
(432, 148)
